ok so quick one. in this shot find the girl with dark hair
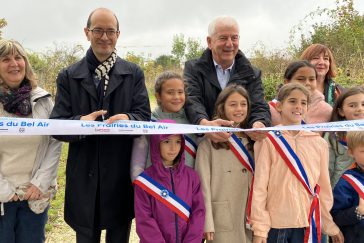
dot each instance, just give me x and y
(348, 106)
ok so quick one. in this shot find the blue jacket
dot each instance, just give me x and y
(346, 199)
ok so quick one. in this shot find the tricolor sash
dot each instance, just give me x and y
(356, 182)
(247, 161)
(190, 146)
(273, 103)
(313, 231)
(163, 195)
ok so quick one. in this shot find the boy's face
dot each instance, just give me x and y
(358, 154)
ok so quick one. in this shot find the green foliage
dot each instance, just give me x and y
(54, 216)
(342, 32)
(3, 23)
(194, 49)
(167, 62)
(47, 65)
(179, 47)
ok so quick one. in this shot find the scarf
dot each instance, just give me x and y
(17, 101)
(101, 69)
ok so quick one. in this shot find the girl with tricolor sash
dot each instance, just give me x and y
(169, 204)
(170, 95)
(349, 106)
(225, 171)
(292, 196)
(348, 209)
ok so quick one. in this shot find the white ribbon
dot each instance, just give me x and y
(27, 126)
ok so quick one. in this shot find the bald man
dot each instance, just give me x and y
(102, 87)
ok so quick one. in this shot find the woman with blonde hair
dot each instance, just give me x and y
(28, 164)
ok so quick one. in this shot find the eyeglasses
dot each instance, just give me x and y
(98, 33)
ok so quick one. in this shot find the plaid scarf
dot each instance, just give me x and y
(17, 101)
(101, 69)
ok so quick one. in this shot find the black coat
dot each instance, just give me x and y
(96, 162)
(203, 88)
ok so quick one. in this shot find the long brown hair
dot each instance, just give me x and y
(220, 108)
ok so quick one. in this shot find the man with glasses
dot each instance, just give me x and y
(102, 87)
(220, 65)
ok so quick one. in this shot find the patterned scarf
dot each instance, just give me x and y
(17, 101)
(103, 69)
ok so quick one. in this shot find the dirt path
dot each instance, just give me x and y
(61, 232)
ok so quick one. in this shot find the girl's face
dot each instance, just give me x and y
(236, 108)
(12, 70)
(170, 148)
(353, 107)
(305, 76)
(321, 63)
(293, 108)
(172, 96)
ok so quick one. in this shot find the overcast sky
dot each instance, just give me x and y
(148, 27)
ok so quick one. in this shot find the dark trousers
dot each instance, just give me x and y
(291, 235)
(21, 225)
(115, 235)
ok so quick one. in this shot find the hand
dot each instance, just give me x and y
(14, 198)
(217, 136)
(32, 193)
(93, 116)
(257, 135)
(209, 235)
(117, 117)
(339, 238)
(361, 206)
(259, 239)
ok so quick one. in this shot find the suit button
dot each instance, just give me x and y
(243, 170)
(91, 174)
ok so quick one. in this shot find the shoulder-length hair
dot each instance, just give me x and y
(10, 47)
(316, 49)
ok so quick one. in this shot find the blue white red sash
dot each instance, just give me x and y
(190, 146)
(273, 103)
(313, 232)
(247, 161)
(356, 182)
(241, 153)
(168, 198)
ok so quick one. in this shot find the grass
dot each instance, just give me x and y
(55, 213)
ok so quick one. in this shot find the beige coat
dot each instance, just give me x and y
(225, 185)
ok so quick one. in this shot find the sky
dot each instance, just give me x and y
(147, 27)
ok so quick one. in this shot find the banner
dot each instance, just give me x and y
(27, 126)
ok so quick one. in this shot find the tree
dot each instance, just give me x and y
(47, 65)
(194, 49)
(167, 62)
(342, 30)
(3, 23)
(179, 47)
